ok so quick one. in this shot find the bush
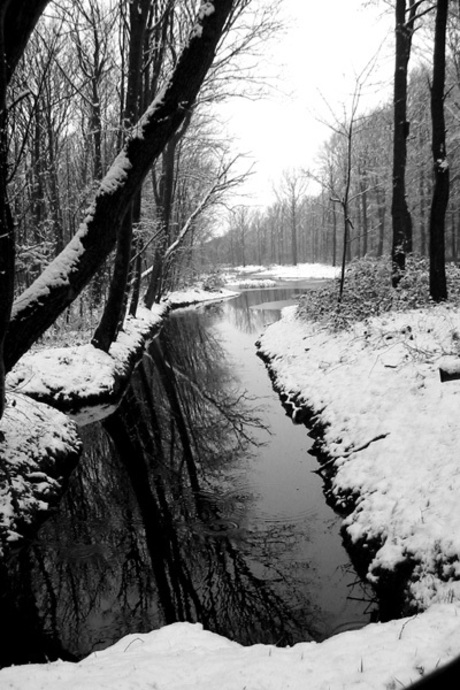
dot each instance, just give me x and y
(368, 292)
(213, 283)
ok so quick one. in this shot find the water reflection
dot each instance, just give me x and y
(161, 522)
(254, 309)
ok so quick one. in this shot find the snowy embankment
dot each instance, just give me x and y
(81, 380)
(185, 298)
(38, 448)
(183, 656)
(49, 392)
(390, 430)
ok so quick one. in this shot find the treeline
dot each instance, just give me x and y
(305, 226)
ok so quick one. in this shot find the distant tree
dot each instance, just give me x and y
(290, 193)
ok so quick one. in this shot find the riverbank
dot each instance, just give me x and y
(388, 437)
(386, 655)
(50, 393)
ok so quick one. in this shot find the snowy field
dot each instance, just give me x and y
(393, 439)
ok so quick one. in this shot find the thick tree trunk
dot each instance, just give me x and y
(402, 221)
(438, 287)
(7, 239)
(38, 307)
(20, 17)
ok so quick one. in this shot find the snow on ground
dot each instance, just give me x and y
(249, 283)
(392, 435)
(183, 298)
(299, 272)
(38, 448)
(183, 656)
(393, 429)
(81, 380)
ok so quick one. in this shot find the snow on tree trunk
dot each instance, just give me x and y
(38, 307)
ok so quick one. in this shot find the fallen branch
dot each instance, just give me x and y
(350, 452)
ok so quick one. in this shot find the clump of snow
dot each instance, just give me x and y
(38, 448)
(391, 429)
(116, 175)
(183, 656)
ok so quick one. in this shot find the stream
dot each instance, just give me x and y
(197, 500)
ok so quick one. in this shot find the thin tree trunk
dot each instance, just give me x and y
(402, 221)
(438, 286)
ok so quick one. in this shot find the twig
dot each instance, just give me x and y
(350, 452)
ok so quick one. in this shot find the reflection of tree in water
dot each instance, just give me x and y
(174, 466)
(170, 544)
(88, 561)
(245, 312)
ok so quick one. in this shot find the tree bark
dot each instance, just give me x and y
(402, 221)
(20, 18)
(38, 307)
(7, 238)
(438, 286)
(115, 308)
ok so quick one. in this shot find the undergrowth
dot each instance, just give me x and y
(368, 292)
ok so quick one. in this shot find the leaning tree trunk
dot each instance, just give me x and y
(438, 287)
(402, 221)
(39, 306)
(17, 21)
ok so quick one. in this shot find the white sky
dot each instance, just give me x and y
(325, 45)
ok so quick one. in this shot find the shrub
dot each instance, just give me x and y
(368, 292)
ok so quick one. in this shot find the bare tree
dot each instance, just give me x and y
(38, 307)
(405, 20)
(291, 191)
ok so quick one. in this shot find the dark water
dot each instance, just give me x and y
(195, 501)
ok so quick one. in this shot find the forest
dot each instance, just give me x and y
(110, 159)
(114, 168)
(361, 161)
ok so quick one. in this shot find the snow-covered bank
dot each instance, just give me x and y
(391, 431)
(39, 446)
(183, 656)
(86, 383)
(399, 353)
(81, 380)
(185, 298)
(284, 272)
(50, 389)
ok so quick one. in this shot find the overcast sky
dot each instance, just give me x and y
(324, 46)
